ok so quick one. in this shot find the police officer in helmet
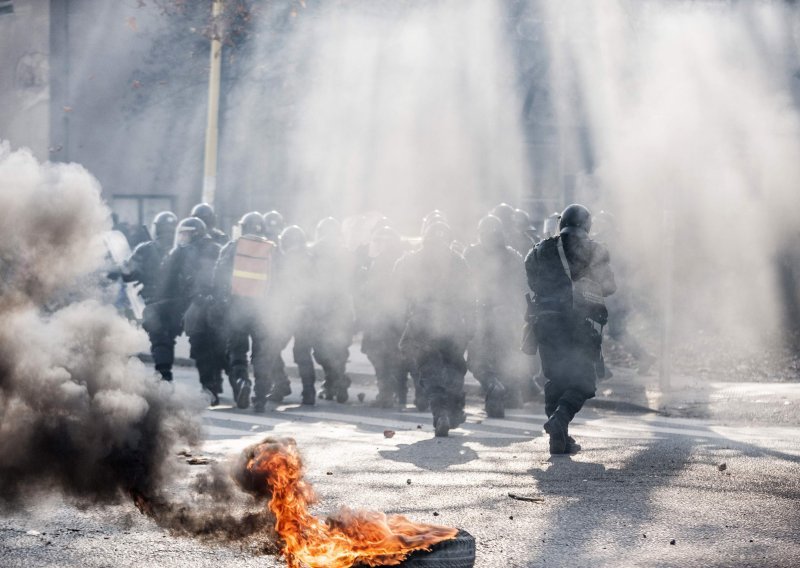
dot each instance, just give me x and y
(334, 265)
(290, 314)
(498, 276)
(187, 292)
(144, 266)
(241, 280)
(569, 275)
(440, 321)
(205, 213)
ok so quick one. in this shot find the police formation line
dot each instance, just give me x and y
(428, 312)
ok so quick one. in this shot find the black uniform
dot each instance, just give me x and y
(334, 269)
(498, 274)
(440, 320)
(290, 315)
(162, 325)
(381, 315)
(187, 292)
(218, 236)
(569, 343)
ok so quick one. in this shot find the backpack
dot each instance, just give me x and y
(587, 294)
(252, 267)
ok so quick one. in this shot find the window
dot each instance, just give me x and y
(138, 210)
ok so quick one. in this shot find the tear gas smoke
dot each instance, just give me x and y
(690, 110)
(400, 107)
(78, 417)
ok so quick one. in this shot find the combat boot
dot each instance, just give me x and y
(309, 396)
(241, 386)
(556, 427)
(441, 425)
(341, 389)
(495, 400)
(279, 392)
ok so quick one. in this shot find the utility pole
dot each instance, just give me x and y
(212, 125)
(667, 299)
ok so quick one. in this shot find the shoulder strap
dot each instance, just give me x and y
(563, 257)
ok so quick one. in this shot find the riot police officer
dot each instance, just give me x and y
(241, 281)
(381, 315)
(290, 314)
(334, 266)
(144, 266)
(206, 214)
(440, 321)
(498, 275)
(187, 291)
(569, 275)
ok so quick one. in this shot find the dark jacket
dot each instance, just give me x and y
(189, 273)
(440, 300)
(547, 278)
(144, 266)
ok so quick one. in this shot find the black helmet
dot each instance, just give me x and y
(505, 213)
(205, 213)
(273, 224)
(252, 224)
(328, 229)
(434, 216)
(164, 225)
(490, 232)
(190, 230)
(437, 234)
(576, 216)
(522, 221)
(292, 238)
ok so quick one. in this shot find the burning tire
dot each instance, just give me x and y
(458, 552)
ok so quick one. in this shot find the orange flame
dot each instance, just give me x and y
(347, 538)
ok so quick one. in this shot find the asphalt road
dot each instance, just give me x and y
(646, 490)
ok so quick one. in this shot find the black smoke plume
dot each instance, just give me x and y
(78, 416)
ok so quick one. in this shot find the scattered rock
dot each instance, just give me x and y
(33, 533)
(361, 397)
(511, 517)
(722, 467)
(328, 473)
(408, 482)
(185, 453)
(672, 541)
(644, 536)
(388, 433)
(435, 513)
(419, 426)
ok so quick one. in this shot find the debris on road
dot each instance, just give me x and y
(529, 498)
(722, 467)
(198, 460)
